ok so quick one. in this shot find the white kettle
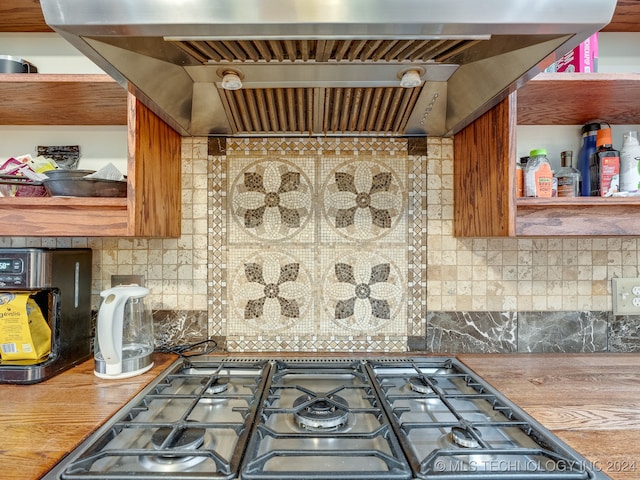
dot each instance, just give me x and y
(124, 333)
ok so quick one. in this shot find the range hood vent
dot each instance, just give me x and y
(324, 50)
(286, 111)
(321, 67)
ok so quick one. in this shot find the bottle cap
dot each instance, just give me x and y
(590, 127)
(631, 135)
(603, 137)
(566, 158)
(538, 151)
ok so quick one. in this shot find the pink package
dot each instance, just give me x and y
(583, 58)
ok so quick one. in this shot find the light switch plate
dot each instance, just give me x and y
(626, 296)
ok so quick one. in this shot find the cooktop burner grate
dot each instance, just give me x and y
(386, 419)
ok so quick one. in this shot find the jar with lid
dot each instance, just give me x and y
(538, 176)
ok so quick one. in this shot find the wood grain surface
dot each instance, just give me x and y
(590, 401)
(484, 174)
(41, 423)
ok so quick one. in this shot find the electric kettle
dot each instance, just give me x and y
(124, 333)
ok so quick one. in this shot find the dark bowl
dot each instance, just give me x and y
(85, 187)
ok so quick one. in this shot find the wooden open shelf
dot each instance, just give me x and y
(152, 207)
(578, 98)
(484, 171)
(53, 99)
(578, 216)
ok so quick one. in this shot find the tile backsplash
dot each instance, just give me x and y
(317, 244)
(303, 244)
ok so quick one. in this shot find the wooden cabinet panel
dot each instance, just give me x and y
(626, 17)
(484, 174)
(22, 16)
(154, 165)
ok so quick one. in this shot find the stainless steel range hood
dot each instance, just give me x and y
(323, 67)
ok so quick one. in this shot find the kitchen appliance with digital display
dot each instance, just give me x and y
(59, 281)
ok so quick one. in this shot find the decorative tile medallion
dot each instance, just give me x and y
(271, 291)
(314, 251)
(363, 291)
(271, 199)
(363, 200)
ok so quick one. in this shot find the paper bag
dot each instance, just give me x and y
(24, 332)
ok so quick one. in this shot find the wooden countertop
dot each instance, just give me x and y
(590, 401)
(41, 423)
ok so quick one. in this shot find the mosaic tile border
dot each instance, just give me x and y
(217, 246)
(315, 344)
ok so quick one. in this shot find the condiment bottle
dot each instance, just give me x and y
(538, 176)
(520, 166)
(587, 149)
(605, 166)
(629, 155)
(569, 178)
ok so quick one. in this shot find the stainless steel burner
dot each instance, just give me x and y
(322, 412)
(165, 441)
(419, 385)
(218, 385)
(463, 438)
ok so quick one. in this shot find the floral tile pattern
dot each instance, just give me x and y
(363, 291)
(316, 247)
(272, 200)
(273, 291)
(363, 199)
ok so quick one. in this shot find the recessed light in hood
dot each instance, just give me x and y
(322, 67)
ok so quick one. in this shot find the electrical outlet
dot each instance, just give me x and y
(626, 296)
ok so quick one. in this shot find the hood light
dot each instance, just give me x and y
(410, 79)
(231, 81)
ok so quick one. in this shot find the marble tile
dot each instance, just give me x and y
(179, 327)
(476, 332)
(624, 333)
(562, 332)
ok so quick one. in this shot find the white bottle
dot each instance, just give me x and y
(629, 156)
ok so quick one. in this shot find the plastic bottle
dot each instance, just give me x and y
(569, 178)
(605, 166)
(587, 149)
(629, 156)
(538, 177)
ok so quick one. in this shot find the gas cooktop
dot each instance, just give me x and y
(322, 418)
